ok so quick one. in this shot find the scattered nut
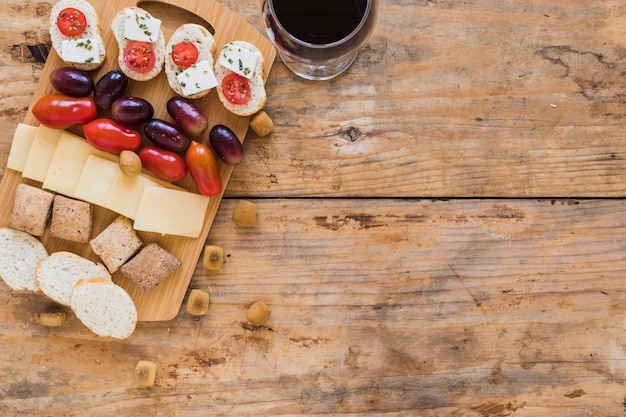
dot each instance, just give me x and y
(130, 163)
(213, 258)
(262, 124)
(145, 373)
(244, 213)
(258, 313)
(52, 316)
(198, 302)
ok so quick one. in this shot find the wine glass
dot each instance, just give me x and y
(319, 39)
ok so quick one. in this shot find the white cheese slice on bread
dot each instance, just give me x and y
(197, 78)
(81, 50)
(140, 26)
(239, 59)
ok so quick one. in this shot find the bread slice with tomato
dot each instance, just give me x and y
(189, 61)
(141, 43)
(75, 34)
(239, 72)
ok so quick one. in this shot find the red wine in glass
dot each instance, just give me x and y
(319, 39)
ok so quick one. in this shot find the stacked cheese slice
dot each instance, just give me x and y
(65, 163)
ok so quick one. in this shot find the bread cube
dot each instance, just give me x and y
(116, 244)
(150, 266)
(244, 213)
(71, 219)
(31, 209)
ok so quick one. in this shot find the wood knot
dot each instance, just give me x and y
(351, 133)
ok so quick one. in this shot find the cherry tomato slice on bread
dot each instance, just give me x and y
(184, 54)
(236, 88)
(71, 22)
(139, 56)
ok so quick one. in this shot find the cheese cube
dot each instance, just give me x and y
(171, 212)
(81, 50)
(239, 59)
(22, 141)
(140, 26)
(197, 78)
(41, 153)
(96, 179)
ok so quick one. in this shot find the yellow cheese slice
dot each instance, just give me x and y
(68, 160)
(96, 179)
(40, 153)
(125, 193)
(171, 212)
(22, 141)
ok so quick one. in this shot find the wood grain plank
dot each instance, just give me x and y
(379, 308)
(465, 99)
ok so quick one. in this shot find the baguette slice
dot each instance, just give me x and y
(104, 307)
(91, 32)
(19, 255)
(256, 82)
(117, 27)
(205, 44)
(59, 272)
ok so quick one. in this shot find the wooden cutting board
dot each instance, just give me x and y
(164, 301)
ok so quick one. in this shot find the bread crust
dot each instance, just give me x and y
(257, 85)
(206, 45)
(104, 307)
(117, 27)
(92, 31)
(31, 209)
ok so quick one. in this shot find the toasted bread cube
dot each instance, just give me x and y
(198, 302)
(213, 258)
(31, 209)
(261, 123)
(71, 219)
(150, 266)
(244, 213)
(116, 244)
(52, 316)
(258, 313)
(145, 373)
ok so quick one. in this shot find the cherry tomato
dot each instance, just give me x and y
(236, 88)
(166, 165)
(59, 111)
(71, 22)
(139, 56)
(110, 136)
(184, 54)
(202, 165)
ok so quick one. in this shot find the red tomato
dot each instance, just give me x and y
(109, 136)
(236, 88)
(184, 54)
(139, 56)
(71, 22)
(166, 165)
(202, 166)
(59, 111)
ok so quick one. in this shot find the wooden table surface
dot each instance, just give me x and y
(441, 232)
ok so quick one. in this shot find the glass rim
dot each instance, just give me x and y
(368, 9)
